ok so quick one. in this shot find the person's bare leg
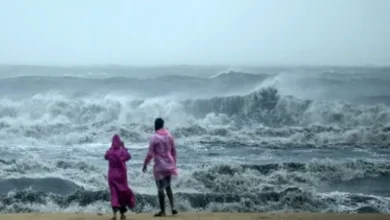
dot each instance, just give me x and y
(171, 199)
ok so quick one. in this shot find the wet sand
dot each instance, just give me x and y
(200, 216)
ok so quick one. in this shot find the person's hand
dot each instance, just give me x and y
(144, 169)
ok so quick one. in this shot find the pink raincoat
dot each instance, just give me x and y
(117, 155)
(162, 149)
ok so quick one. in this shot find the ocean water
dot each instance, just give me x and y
(249, 139)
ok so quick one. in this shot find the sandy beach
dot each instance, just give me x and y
(198, 216)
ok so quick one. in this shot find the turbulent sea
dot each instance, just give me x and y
(248, 139)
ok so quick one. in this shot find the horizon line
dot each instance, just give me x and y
(196, 65)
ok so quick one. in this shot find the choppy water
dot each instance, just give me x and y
(265, 139)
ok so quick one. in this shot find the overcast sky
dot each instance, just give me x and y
(160, 32)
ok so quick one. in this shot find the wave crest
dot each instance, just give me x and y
(263, 112)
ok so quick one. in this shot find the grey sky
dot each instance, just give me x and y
(235, 32)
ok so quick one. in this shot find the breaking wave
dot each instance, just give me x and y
(252, 188)
(275, 141)
(261, 116)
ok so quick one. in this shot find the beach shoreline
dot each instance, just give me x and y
(198, 216)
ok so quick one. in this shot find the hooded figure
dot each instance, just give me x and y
(121, 194)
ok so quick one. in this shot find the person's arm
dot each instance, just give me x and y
(173, 149)
(149, 155)
(125, 155)
(107, 155)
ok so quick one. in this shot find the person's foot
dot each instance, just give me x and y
(174, 212)
(160, 214)
(123, 217)
(113, 217)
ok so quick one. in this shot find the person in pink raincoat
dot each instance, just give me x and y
(162, 149)
(121, 195)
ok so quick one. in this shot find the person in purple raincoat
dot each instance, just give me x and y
(121, 194)
(163, 151)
